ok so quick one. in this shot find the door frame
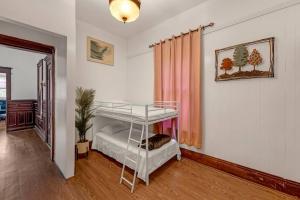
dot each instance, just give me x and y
(28, 45)
(7, 71)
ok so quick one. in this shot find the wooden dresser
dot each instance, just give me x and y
(20, 114)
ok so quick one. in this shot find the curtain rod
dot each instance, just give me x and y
(201, 27)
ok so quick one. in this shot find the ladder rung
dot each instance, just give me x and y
(130, 159)
(127, 181)
(133, 140)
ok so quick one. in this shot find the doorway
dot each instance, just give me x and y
(44, 108)
(44, 99)
(2, 101)
(5, 94)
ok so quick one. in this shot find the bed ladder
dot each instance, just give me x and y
(127, 158)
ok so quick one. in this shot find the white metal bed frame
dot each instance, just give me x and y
(144, 121)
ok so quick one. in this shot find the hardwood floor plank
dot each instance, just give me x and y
(26, 173)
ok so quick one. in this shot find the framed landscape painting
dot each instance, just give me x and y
(99, 51)
(245, 61)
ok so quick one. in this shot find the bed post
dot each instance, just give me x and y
(147, 143)
(178, 123)
(178, 129)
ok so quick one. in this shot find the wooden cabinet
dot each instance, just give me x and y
(20, 114)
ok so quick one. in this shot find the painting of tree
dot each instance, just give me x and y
(226, 65)
(244, 61)
(255, 59)
(240, 56)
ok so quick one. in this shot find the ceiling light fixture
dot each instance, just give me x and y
(125, 10)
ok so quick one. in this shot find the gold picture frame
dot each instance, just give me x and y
(99, 51)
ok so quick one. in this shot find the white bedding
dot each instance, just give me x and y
(114, 145)
(138, 111)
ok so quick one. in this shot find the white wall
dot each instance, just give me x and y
(23, 72)
(140, 79)
(108, 81)
(56, 17)
(250, 122)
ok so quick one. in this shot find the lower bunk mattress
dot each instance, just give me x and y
(114, 145)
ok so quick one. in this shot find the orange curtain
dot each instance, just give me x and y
(177, 78)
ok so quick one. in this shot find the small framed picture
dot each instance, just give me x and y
(100, 51)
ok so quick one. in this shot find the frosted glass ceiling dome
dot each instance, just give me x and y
(125, 10)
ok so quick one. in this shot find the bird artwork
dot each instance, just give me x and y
(97, 51)
(100, 52)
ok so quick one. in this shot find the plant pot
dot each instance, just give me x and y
(82, 147)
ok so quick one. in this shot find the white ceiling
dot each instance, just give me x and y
(96, 12)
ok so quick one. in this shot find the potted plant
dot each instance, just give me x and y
(84, 113)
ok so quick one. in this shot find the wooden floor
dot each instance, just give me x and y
(27, 173)
(2, 125)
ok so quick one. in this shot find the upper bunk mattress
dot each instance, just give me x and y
(114, 145)
(137, 112)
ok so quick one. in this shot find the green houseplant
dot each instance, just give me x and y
(84, 113)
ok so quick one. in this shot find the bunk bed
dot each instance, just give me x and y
(125, 143)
